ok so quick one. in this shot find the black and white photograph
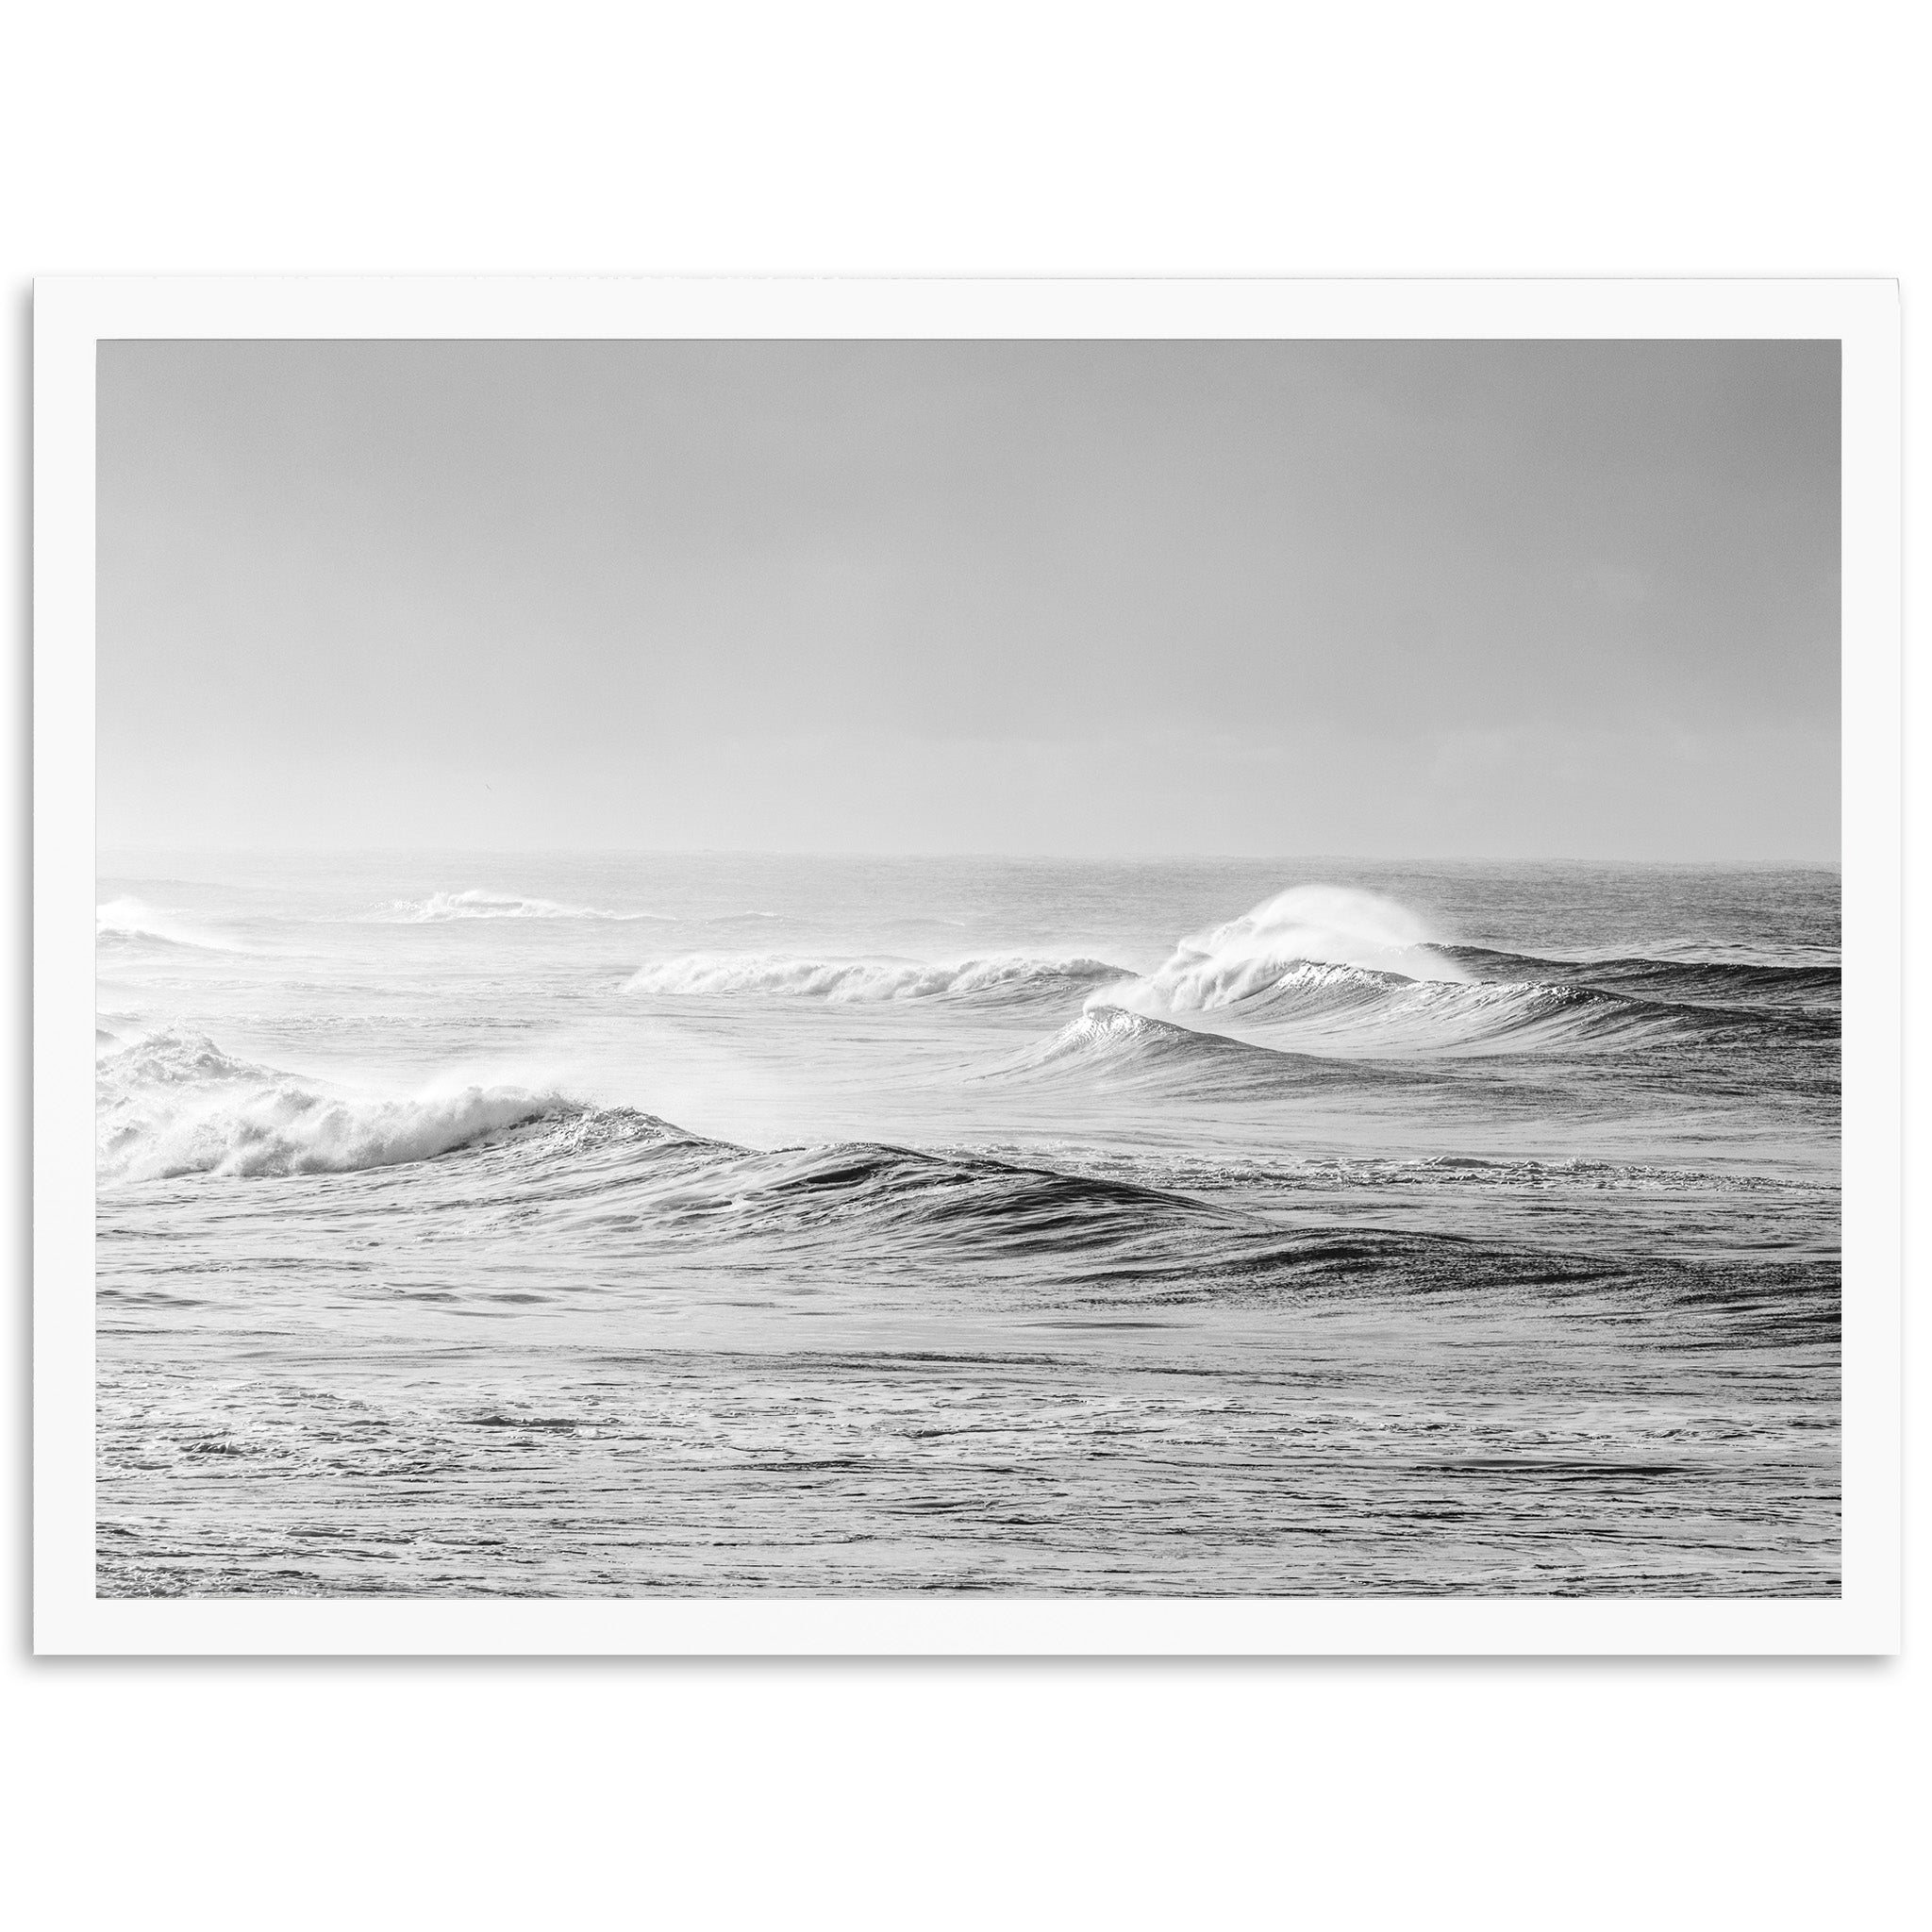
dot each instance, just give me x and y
(970, 967)
(1105, 969)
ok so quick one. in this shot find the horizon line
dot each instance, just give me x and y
(1835, 862)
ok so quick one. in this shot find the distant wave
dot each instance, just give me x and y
(1331, 925)
(132, 922)
(1349, 973)
(715, 975)
(1717, 982)
(1352, 1010)
(175, 1104)
(480, 905)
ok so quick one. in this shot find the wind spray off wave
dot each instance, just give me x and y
(1332, 971)
(1322, 925)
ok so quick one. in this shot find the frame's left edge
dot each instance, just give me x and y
(65, 320)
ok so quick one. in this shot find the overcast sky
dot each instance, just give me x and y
(1389, 599)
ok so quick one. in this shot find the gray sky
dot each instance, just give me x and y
(1389, 599)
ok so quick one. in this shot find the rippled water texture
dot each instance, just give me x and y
(607, 1225)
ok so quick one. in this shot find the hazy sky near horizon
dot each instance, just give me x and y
(1398, 599)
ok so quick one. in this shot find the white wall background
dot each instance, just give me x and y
(1688, 137)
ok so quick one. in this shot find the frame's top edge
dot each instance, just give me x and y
(494, 277)
(73, 309)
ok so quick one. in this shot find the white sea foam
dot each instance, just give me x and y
(176, 1104)
(867, 981)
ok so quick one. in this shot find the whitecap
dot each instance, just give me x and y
(477, 904)
(712, 976)
(176, 1104)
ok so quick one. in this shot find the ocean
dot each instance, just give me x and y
(608, 1225)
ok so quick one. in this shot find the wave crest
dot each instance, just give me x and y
(713, 976)
(1347, 1010)
(1331, 925)
(477, 904)
(176, 1104)
(1113, 1047)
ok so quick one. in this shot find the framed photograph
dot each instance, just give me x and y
(966, 967)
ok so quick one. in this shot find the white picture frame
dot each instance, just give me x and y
(74, 315)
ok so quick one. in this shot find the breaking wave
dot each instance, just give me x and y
(1336, 971)
(175, 1104)
(1352, 1010)
(715, 975)
(480, 905)
(1332, 925)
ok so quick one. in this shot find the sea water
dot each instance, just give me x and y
(608, 1225)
